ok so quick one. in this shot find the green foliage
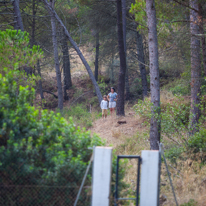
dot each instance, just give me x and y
(174, 116)
(180, 89)
(139, 10)
(136, 87)
(174, 153)
(81, 115)
(198, 140)
(15, 52)
(102, 86)
(191, 202)
(39, 147)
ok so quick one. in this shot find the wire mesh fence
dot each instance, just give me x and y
(21, 185)
(42, 195)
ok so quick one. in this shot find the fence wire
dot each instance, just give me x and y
(19, 186)
(127, 183)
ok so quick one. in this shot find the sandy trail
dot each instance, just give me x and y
(110, 130)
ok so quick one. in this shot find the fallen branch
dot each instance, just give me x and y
(51, 93)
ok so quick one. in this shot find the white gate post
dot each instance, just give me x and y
(150, 174)
(101, 177)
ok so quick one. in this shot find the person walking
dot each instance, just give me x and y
(112, 98)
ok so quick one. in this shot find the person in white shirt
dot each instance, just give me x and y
(104, 106)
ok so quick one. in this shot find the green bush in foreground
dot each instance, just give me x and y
(41, 151)
(38, 147)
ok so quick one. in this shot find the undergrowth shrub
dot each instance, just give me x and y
(175, 115)
(197, 142)
(179, 86)
(81, 115)
(174, 153)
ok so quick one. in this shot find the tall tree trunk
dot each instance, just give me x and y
(33, 23)
(154, 75)
(98, 92)
(56, 60)
(195, 67)
(202, 37)
(17, 16)
(140, 53)
(97, 56)
(122, 71)
(33, 42)
(66, 66)
(40, 82)
(112, 66)
(124, 24)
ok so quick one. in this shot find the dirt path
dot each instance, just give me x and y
(113, 132)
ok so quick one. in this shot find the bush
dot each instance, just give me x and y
(174, 153)
(81, 115)
(39, 147)
(198, 141)
(174, 115)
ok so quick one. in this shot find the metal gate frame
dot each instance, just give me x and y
(117, 178)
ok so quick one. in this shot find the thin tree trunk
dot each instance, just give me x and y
(97, 56)
(33, 24)
(202, 38)
(98, 92)
(140, 53)
(40, 82)
(154, 75)
(17, 16)
(112, 67)
(66, 66)
(122, 71)
(56, 60)
(124, 24)
(195, 67)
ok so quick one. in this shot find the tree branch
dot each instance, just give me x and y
(185, 5)
(51, 93)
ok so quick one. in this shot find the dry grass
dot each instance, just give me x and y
(189, 182)
(189, 177)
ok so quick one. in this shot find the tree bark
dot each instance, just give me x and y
(33, 24)
(17, 16)
(195, 67)
(40, 82)
(56, 60)
(124, 24)
(140, 53)
(98, 92)
(122, 71)
(112, 67)
(66, 66)
(202, 38)
(154, 75)
(97, 56)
